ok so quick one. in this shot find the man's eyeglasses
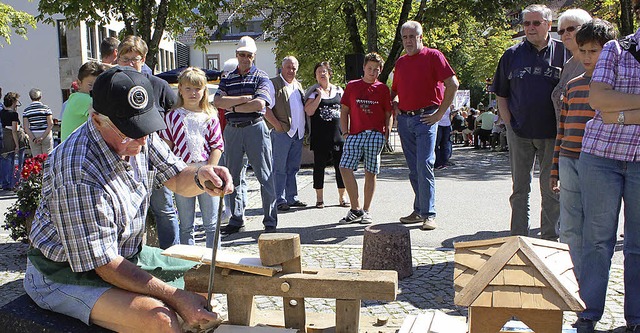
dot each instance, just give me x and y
(568, 29)
(129, 60)
(245, 55)
(535, 23)
(125, 139)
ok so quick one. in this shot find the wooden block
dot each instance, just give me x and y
(224, 258)
(472, 260)
(347, 316)
(241, 308)
(318, 283)
(488, 320)
(506, 297)
(294, 312)
(277, 248)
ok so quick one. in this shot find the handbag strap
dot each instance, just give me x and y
(630, 45)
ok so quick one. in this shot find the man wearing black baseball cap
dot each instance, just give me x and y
(87, 232)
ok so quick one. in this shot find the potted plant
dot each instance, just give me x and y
(29, 191)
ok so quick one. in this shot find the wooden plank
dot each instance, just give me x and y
(530, 297)
(464, 279)
(482, 242)
(422, 323)
(244, 329)
(294, 312)
(488, 320)
(485, 298)
(241, 308)
(506, 297)
(443, 323)
(407, 324)
(472, 260)
(488, 250)
(572, 303)
(347, 315)
(546, 243)
(518, 276)
(318, 283)
(498, 280)
(224, 258)
(489, 271)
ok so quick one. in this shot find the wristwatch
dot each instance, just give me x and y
(196, 179)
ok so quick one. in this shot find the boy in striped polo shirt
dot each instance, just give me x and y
(574, 115)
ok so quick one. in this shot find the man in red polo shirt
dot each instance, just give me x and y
(365, 121)
(424, 86)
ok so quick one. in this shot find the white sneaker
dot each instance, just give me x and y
(412, 218)
(352, 217)
(429, 223)
(366, 218)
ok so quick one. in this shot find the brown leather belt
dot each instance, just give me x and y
(420, 111)
(245, 123)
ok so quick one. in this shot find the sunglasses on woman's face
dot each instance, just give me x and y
(535, 23)
(568, 29)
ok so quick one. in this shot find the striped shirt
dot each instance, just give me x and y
(620, 70)
(37, 114)
(194, 134)
(255, 83)
(574, 114)
(94, 204)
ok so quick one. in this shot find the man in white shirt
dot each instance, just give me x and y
(287, 118)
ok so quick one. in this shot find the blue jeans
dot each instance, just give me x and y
(604, 183)
(571, 216)
(443, 145)
(165, 214)
(186, 213)
(523, 152)
(254, 141)
(240, 196)
(8, 175)
(418, 144)
(287, 155)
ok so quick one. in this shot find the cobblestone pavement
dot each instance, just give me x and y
(430, 286)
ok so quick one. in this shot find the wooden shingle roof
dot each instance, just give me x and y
(515, 272)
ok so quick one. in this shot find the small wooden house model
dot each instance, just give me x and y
(528, 278)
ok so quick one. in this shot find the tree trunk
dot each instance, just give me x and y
(372, 26)
(352, 27)
(396, 48)
(626, 17)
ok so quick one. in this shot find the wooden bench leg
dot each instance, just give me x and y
(347, 315)
(294, 313)
(241, 309)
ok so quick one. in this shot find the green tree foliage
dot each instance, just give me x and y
(618, 12)
(145, 18)
(472, 33)
(14, 21)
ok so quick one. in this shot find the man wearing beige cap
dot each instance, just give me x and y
(244, 94)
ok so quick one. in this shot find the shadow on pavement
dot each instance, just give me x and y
(314, 235)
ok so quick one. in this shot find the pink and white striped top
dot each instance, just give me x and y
(194, 134)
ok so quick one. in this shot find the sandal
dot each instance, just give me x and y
(344, 203)
(320, 204)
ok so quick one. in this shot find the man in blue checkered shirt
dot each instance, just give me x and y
(88, 230)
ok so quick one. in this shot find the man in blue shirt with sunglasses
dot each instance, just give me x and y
(524, 80)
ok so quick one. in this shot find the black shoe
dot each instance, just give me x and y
(269, 230)
(298, 203)
(283, 207)
(583, 325)
(231, 229)
(632, 329)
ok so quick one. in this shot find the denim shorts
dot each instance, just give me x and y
(366, 145)
(72, 300)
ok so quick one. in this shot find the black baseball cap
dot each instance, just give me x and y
(126, 97)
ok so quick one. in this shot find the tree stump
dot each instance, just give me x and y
(387, 247)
